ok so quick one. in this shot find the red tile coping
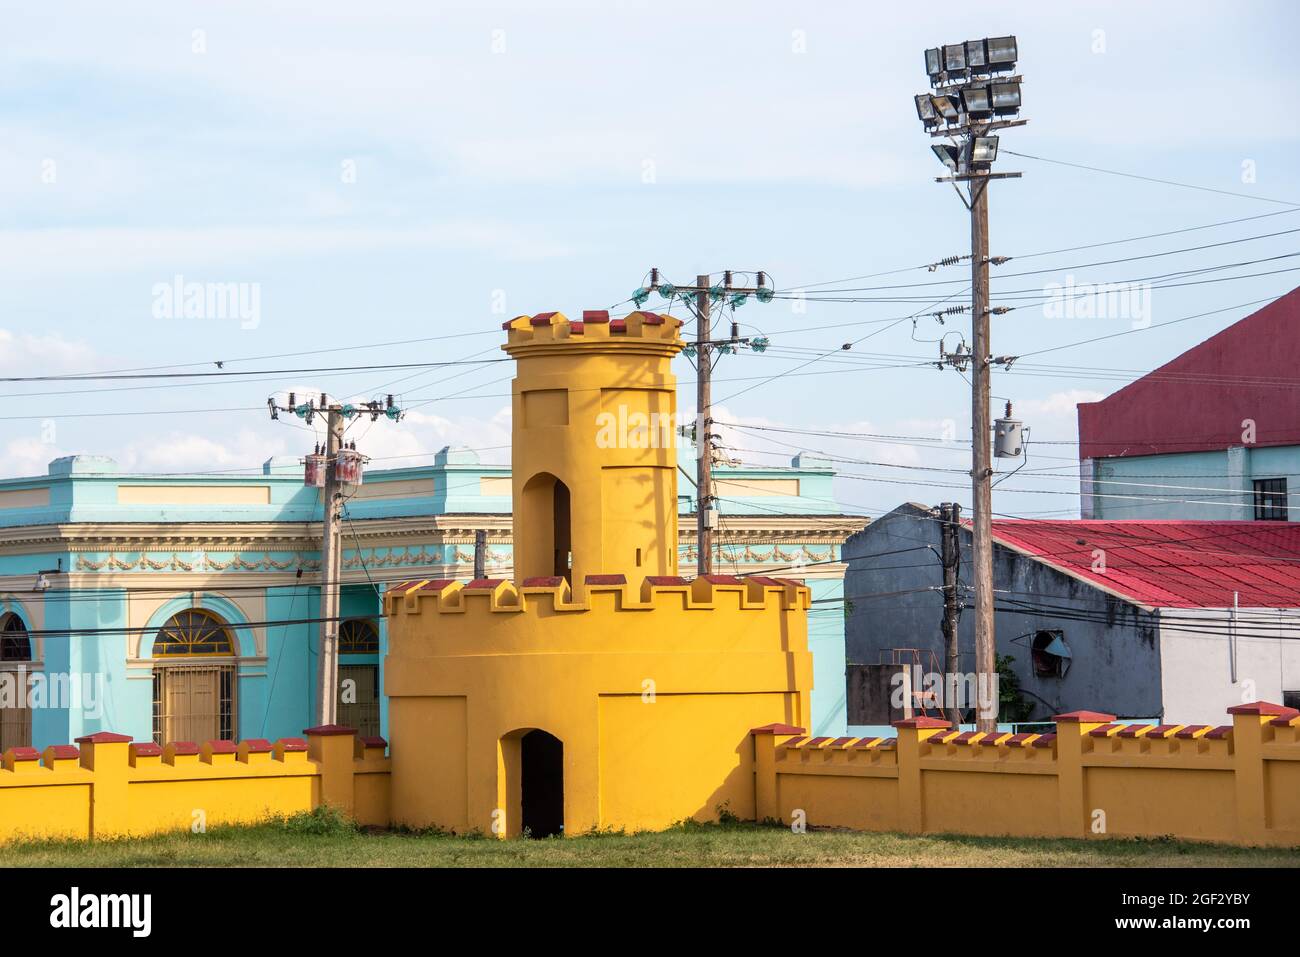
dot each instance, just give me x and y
(794, 742)
(544, 581)
(992, 738)
(1018, 740)
(1044, 740)
(595, 315)
(292, 744)
(922, 722)
(1133, 730)
(328, 730)
(1219, 733)
(865, 744)
(963, 738)
(1083, 717)
(1103, 731)
(485, 583)
(257, 745)
(618, 325)
(768, 580)
(606, 580)
(722, 579)
(146, 749)
(1190, 731)
(221, 747)
(777, 728)
(840, 742)
(817, 742)
(542, 318)
(577, 328)
(661, 580)
(507, 324)
(887, 744)
(1162, 731)
(64, 751)
(104, 737)
(184, 747)
(1263, 708)
(1283, 720)
(652, 319)
(25, 754)
(421, 584)
(373, 741)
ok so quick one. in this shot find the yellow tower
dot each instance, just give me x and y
(594, 434)
(598, 690)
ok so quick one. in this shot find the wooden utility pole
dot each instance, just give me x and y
(981, 453)
(704, 295)
(331, 484)
(704, 510)
(327, 665)
(950, 519)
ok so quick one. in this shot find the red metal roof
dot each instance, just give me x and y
(1180, 564)
(1199, 400)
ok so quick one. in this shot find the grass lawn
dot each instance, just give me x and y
(322, 840)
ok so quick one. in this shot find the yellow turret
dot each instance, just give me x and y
(594, 433)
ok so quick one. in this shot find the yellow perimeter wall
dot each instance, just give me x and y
(1238, 783)
(107, 786)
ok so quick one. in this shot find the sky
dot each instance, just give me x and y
(387, 182)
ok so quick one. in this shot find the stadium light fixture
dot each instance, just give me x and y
(925, 110)
(948, 155)
(1006, 98)
(983, 150)
(1002, 52)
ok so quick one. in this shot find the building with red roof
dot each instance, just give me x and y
(1162, 619)
(1213, 434)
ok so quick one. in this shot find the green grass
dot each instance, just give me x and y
(322, 839)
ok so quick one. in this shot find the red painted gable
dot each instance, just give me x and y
(1198, 401)
(1179, 564)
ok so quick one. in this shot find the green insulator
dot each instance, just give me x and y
(759, 343)
(718, 292)
(640, 296)
(393, 412)
(349, 410)
(667, 290)
(689, 352)
(764, 294)
(737, 300)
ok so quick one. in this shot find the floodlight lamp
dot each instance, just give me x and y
(1002, 52)
(984, 149)
(1006, 98)
(954, 57)
(977, 100)
(976, 56)
(948, 105)
(933, 62)
(925, 109)
(948, 155)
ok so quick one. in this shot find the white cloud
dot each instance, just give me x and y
(22, 353)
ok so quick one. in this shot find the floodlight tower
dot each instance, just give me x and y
(975, 91)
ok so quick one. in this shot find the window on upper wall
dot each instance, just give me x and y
(1291, 699)
(1270, 500)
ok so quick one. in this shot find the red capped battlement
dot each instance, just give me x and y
(595, 325)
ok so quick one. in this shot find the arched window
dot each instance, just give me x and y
(359, 683)
(15, 647)
(191, 633)
(194, 691)
(358, 636)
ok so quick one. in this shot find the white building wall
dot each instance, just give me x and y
(1196, 660)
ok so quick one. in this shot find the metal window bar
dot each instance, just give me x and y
(194, 702)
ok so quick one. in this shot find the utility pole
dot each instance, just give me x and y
(950, 519)
(702, 296)
(968, 103)
(327, 666)
(705, 512)
(332, 469)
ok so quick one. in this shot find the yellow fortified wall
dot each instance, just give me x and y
(645, 685)
(108, 786)
(1092, 778)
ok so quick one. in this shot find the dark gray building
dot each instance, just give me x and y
(1133, 618)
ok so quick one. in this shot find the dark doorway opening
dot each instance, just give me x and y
(542, 784)
(562, 534)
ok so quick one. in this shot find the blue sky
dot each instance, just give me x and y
(528, 158)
